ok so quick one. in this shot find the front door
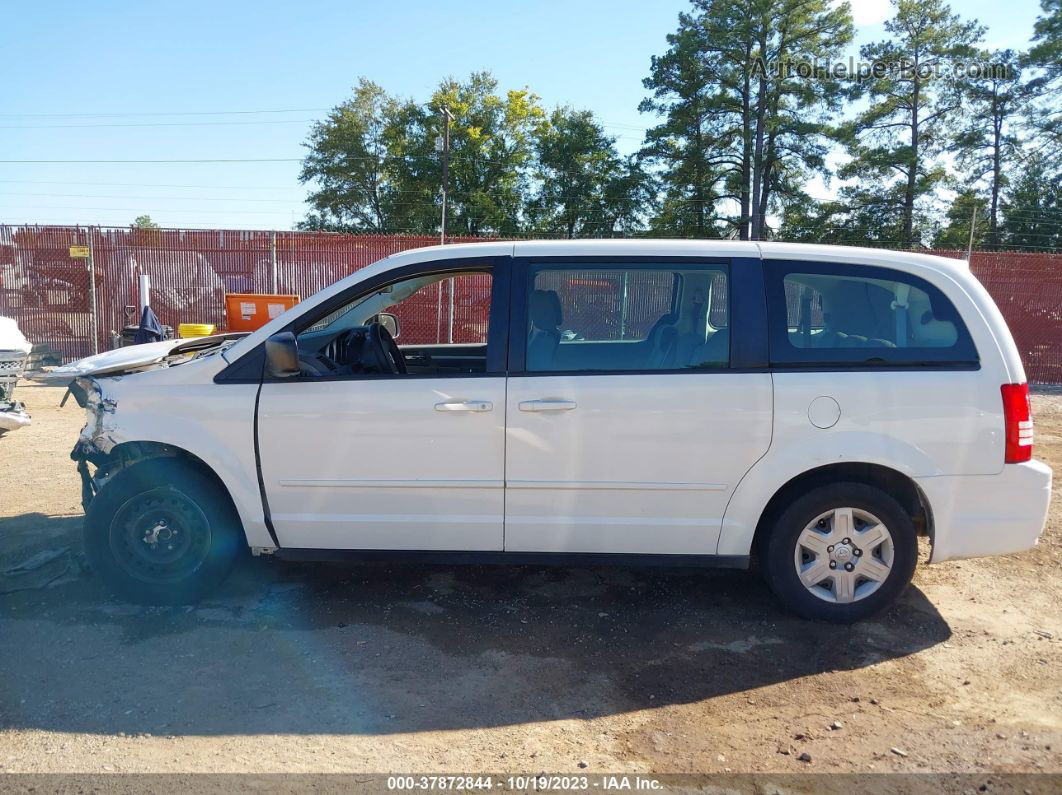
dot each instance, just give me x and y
(357, 456)
(627, 429)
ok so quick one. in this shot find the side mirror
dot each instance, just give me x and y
(282, 356)
(389, 322)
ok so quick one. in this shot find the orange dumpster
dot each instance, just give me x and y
(250, 311)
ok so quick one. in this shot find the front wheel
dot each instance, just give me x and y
(162, 532)
(841, 552)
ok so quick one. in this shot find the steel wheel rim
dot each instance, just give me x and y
(160, 536)
(844, 555)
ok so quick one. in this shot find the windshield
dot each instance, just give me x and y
(358, 311)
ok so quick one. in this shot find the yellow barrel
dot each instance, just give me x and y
(186, 330)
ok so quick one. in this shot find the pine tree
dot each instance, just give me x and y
(895, 142)
(1032, 210)
(955, 234)
(1045, 60)
(745, 121)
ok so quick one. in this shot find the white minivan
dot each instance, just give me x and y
(811, 410)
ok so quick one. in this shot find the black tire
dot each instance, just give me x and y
(195, 533)
(780, 549)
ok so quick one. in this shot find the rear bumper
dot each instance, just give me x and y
(979, 515)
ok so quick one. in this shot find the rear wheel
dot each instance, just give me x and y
(162, 532)
(841, 552)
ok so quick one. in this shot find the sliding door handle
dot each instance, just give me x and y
(547, 405)
(465, 405)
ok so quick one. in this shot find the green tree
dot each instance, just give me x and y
(491, 153)
(353, 163)
(856, 217)
(585, 188)
(1045, 59)
(955, 232)
(914, 103)
(1032, 210)
(987, 144)
(1046, 52)
(691, 171)
(744, 124)
(375, 164)
(143, 222)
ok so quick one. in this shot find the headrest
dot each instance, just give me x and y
(546, 309)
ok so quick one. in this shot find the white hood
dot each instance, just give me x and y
(11, 339)
(130, 359)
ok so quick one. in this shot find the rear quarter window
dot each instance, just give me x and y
(861, 316)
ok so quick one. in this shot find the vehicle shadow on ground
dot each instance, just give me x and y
(386, 648)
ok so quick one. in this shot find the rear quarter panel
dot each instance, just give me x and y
(922, 423)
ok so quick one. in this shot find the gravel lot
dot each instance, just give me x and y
(314, 668)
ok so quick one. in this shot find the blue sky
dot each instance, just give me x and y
(163, 81)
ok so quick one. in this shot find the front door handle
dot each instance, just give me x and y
(465, 405)
(547, 405)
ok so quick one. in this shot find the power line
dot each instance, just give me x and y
(128, 114)
(464, 158)
(144, 184)
(155, 198)
(154, 124)
(194, 160)
(206, 225)
(141, 209)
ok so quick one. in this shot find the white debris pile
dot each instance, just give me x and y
(14, 350)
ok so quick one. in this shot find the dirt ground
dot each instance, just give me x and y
(383, 668)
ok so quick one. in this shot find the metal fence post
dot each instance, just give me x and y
(450, 327)
(273, 263)
(93, 309)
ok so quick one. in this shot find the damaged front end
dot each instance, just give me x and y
(101, 444)
(97, 440)
(102, 450)
(14, 351)
(13, 414)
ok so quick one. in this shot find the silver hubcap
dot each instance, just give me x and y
(844, 555)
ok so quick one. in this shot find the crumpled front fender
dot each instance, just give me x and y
(100, 434)
(131, 418)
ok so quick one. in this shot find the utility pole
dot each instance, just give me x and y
(447, 118)
(973, 225)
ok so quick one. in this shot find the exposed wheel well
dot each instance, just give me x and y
(897, 484)
(129, 453)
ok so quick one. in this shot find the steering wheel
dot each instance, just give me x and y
(383, 348)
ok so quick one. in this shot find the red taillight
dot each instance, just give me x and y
(1017, 419)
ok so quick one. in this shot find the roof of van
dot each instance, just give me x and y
(665, 247)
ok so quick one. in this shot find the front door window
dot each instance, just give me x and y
(429, 324)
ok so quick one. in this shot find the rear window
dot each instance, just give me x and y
(855, 315)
